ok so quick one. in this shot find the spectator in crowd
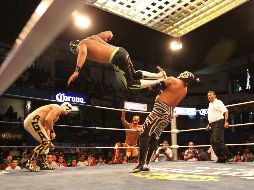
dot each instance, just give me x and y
(247, 151)
(61, 162)
(13, 166)
(101, 160)
(82, 160)
(238, 158)
(91, 160)
(163, 153)
(73, 163)
(191, 154)
(14, 152)
(24, 159)
(248, 157)
(51, 158)
(7, 162)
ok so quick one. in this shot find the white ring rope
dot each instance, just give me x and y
(75, 126)
(199, 129)
(236, 104)
(117, 129)
(243, 144)
(76, 147)
(87, 105)
(113, 147)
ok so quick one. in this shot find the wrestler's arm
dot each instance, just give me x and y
(82, 53)
(50, 119)
(123, 120)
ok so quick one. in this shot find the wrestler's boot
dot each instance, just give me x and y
(130, 78)
(152, 148)
(45, 165)
(143, 149)
(36, 152)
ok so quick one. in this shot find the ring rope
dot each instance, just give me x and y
(75, 126)
(117, 129)
(113, 147)
(75, 147)
(236, 104)
(87, 105)
(202, 128)
(109, 108)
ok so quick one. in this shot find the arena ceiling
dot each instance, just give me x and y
(172, 17)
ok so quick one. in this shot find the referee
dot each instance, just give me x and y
(218, 121)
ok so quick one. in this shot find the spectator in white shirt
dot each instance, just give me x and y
(13, 166)
(218, 121)
(82, 161)
(163, 153)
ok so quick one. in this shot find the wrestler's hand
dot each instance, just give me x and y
(52, 136)
(72, 78)
(140, 130)
(162, 73)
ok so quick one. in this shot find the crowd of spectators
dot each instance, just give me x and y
(16, 158)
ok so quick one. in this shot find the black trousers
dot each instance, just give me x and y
(217, 140)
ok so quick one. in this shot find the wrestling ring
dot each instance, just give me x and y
(203, 175)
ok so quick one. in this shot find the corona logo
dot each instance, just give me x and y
(63, 97)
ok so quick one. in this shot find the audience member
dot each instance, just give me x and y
(13, 165)
(163, 153)
(191, 154)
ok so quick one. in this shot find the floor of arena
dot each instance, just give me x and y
(168, 175)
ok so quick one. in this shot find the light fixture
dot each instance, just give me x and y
(81, 21)
(176, 44)
(28, 105)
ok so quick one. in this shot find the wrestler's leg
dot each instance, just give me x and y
(143, 149)
(117, 153)
(153, 144)
(37, 131)
(125, 71)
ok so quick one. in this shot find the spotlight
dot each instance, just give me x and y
(81, 21)
(176, 44)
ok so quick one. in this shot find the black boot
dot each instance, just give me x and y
(143, 149)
